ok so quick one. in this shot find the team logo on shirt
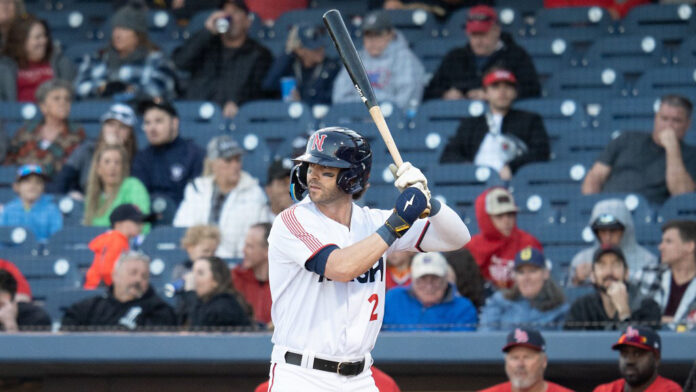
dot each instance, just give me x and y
(176, 172)
(370, 276)
(318, 142)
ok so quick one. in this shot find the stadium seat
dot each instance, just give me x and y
(555, 181)
(379, 195)
(18, 238)
(561, 116)
(278, 136)
(527, 7)
(582, 146)
(78, 50)
(566, 234)
(163, 239)
(165, 208)
(549, 54)
(199, 111)
(58, 301)
(85, 112)
(575, 24)
(431, 51)
(509, 17)
(574, 293)
(8, 174)
(675, 80)
(355, 112)
(75, 237)
(579, 209)
(686, 54)
(46, 274)
(626, 114)
(162, 266)
(271, 111)
(534, 210)
(256, 30)
(350, 8)
(18, 111)
(281, 27)
(420, 148)
(199, 132)
(73, 210)
(6, 195)
(73, 23)
(416, 25)
(628, 54)
(81, 259)
(447, 113)
(461, 174)
(560, 257)
(587, 85)
(678, 207)
(649, 236)
(669, 22)
(257, 155)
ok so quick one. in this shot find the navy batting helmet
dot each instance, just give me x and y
(334, 147)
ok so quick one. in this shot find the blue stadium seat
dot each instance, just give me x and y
(555, 181)
(509, 17)
(76, 51)
(162, 266)
(8, 174)
(278, 136)
(526, 7)
(574, 293)
(270, 111)
(73, 210)
(379, 195)
(67, 21)
(431, 51)
(18, 238)
(461, 174)
(46, 274)
(669, 22)
(6, 195)
(575, 24)
(587, 85)
(561, 116)
(560, 257)
(18, 111)
(583, 146)
(534, 210)
(256, 30)
(57, 302)
(657, 82)
(447, 113)
(81, 259)
(163, 239)
(460, 198)
(199, 111)
(580, 208)
(686, 54)
(566, 234)
(89, 111)
(281, 27)
(165, 208)
(678, 207)
(199, 132)
(629, 54)
(627, 114)
(649, 236)
(419, 148)
(347, 7)
(75, 237)
(355, 112)
(549, 54)
(415, 25)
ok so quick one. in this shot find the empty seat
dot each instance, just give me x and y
(58, 301)
(355, 112)
(676, 80)
(678, 207)
(666, 21)
(587, 85)
(270, 111)
(8, 174)
(580, 208)
(89, 111)
(278, 136)
(549, 54)
(46, 274)
(200, 111)
(447, 113)
(73, 210)
(566, 234)
(626, 53)
(415, 25)
(196, 24)
(583, 146)
(19, 238)
(74, 237)
(561, 116)
(509, 17)
(577, 24)
(19, 111)
(627, 114)
(686, 53)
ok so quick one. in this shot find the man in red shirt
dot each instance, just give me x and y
(639, 359)
(250, 277)
(525, 363)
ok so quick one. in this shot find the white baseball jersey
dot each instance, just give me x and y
(310, 312)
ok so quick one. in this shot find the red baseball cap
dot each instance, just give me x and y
(499, 75)
(480, 19)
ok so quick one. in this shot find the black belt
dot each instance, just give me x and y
(342, 368)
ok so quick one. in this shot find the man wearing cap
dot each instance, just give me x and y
(277, 187)
(461, 72)
(502, 138)
(395, 73)
(615, 302)
(304, 60)
(499, 239)
(525, 364)
(169, 161)
(431, 303)
(226, 65)
(639, 357)
(612, 224)
(230, 198)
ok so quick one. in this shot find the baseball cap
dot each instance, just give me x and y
(25, 171)
(312, 36)
(602, 250)
(223, 147)
(480, 19)
(607, 222)
(531, 256)
(129, 212)
(432, 263)
(121, 113)
(241, 4)
(279, 169)
(527, 337)
(641, 337)
(499, 201)
(157, 103)
(377, 21)
(499, 75)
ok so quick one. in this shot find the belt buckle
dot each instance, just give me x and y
(338, 368)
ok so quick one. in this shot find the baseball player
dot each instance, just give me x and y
(327, 262)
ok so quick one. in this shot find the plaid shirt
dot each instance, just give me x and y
(656, 281)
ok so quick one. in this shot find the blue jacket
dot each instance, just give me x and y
(166, 169)
(403, 312)
(43, 219)
(502, 314)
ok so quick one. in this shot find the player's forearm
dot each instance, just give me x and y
(348, 263)
(446, 232)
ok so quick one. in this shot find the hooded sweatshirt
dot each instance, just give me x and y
(395, 75)
(495, 253)
(637, 256)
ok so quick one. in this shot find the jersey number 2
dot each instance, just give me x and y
(374, 298)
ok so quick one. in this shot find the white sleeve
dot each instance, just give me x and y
(186, 212)
(440, 233)
(296, 236)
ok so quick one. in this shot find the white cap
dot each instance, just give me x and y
(432, 263)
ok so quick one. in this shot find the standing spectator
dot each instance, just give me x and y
(467, 276)
(47, 141)
(131, 66)
(250, 277)
(640, 350)
(32, 209)
(116, 128)
(503, 138)
(398, 273)
(535, 300)
(499, 240)
(169, 161)
(525, 363)
(460, 74)
(110, 185)
(18, 315)
(430, 303)
(199, 242)
(23, 292)
(212, 302)
(226, 67)
(129, 304)
(615, 301)
(230, 198)
(278, 187)
(672, 284)
(612, 225)
(9, 11)
(395, 73)
(657, 165)
(31, 59)
(305, 60)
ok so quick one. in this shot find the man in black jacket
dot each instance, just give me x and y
(16, 316)
(226, 65)
(130, 303)
(503, 138)
(460, 73)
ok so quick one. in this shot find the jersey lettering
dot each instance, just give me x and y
(374, 298)
(318, 142)
(369, 276)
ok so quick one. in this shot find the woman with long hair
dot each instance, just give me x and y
(9, 11)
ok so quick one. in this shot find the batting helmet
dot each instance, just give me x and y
(334, 147)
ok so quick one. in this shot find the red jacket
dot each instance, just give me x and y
(660, 384)
(107, 248)
(395, 279)
(22, 284)
(257, 294)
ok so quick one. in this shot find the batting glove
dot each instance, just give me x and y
(408, 175)
(408, 207)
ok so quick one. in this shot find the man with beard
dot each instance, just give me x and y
(639, 358)
(525, 363)
(615, 302)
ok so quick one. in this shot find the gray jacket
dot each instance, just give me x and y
(63, 68)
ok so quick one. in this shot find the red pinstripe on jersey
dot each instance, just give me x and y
(270, 386)
(290, 220)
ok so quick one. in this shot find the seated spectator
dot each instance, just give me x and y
(657, 165)
(616, 8)
(305, 60)
(18, 315)
(672, 284)
(250, 277)
(169, 162)
(612, 225)
(460, 74)
(30, 59)
(130, 303)
(199, 242)
(640, 350)
(212, 302)
(131, 67)
(503, 138)
(270, 10)
(32, 209)
(615, 302)
(116, 128)
(110, 186)
(525, 363)
(395, 73)
(278, 187)
(467, 276)
(126, 223)
(226, 67)
(535, 300)
(9, 11)
(430, 303)
(23, 291)
(50, 139)
(499, 239)
(230, 198)
(398, 273)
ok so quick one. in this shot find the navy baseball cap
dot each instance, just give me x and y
(530, 256)
(602, 250)
(526, 337)
(131, 212)
(641, 337)
(607, 222)
(157, 103)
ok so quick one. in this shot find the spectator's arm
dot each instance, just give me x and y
(90, 83)
(188, 56)
(678, 178)
(158, 78)
(537, 145)
(595, 178)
